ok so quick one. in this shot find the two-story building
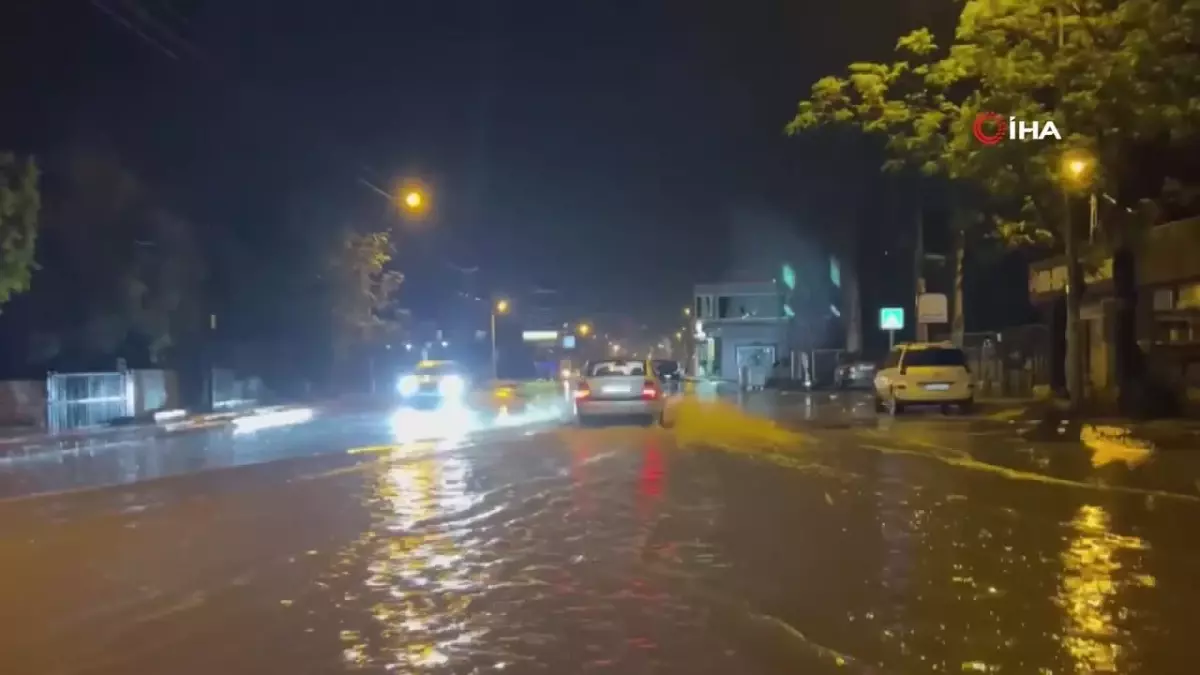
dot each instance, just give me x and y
(740, 325)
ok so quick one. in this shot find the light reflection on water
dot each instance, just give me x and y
(1086, 595)
(419, 580)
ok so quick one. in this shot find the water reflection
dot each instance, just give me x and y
(420, 574)
(1090, 565)
(650, 479)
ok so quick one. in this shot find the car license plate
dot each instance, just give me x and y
(614, 389)
(939, 386)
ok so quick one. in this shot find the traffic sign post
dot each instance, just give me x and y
(891, 319)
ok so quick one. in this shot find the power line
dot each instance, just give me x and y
(136, 13)
(128, 25)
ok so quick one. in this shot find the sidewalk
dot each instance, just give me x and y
(26, 440)
(1034, 440)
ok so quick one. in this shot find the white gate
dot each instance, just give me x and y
(81, 400)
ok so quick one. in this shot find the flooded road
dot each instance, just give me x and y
(536, 548)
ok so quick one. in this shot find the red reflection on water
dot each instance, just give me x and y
(651, 481)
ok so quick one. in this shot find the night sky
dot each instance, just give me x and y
(597, 148)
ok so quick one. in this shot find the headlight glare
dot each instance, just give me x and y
(452, 386)
(407, 385)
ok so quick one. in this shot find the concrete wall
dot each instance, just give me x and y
(154, 390)
(23, 403)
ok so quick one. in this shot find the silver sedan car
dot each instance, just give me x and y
(617, 388)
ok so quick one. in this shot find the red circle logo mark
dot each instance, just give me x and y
(999, 128)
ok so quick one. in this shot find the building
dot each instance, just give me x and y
(741, 329)
(1167, 322)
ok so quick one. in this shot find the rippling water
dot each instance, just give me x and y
(606, 549)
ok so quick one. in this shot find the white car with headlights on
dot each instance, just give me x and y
(433, 384)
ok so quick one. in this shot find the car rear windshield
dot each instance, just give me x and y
(936, 357)
(616, 367)
(666, 367)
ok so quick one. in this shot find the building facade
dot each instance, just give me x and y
(741, 330)
(1166, 323)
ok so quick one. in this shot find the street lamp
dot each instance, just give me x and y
(501, 307)
(584, 330)
(412, 198)
(1075, 173)
(687, 311)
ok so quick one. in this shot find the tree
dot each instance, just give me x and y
(122, 274)
(1116, 77)
(361, 291)
(20, 203)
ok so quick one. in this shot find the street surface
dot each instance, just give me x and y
(835, 541)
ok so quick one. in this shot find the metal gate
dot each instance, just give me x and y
(823, 366)
(81, 400)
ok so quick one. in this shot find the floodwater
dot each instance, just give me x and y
(549, 549)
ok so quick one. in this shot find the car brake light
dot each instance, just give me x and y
(583, 390)
(650, 390)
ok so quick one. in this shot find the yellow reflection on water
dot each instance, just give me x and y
(418, 584)
(1087, 593)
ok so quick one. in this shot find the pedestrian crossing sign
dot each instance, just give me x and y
(891, 318)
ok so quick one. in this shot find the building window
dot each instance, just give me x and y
(1188, 296)
(1164, 299)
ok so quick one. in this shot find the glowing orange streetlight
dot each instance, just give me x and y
(412, 198)
(1077, 167)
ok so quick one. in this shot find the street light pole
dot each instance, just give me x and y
(495, 367)
(1076, 171)
(1074, 365)
(499, 307)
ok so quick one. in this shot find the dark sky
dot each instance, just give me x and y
(593, 147)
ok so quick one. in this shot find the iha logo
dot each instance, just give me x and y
(990, 128)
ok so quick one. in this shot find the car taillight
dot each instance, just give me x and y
(583, 390)
(650, 390)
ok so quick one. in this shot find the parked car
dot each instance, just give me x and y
(924, 373)
(855, 375)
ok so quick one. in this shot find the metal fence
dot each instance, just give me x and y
(230, 391)
(823, 365)
(81, 400)
(1010, 362)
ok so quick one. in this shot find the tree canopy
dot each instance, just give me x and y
(122, 275)
(20, 203)
(1117, 78)
(361, 289)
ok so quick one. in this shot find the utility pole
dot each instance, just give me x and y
(958, 327)
(1074, 365)
(919, 273)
